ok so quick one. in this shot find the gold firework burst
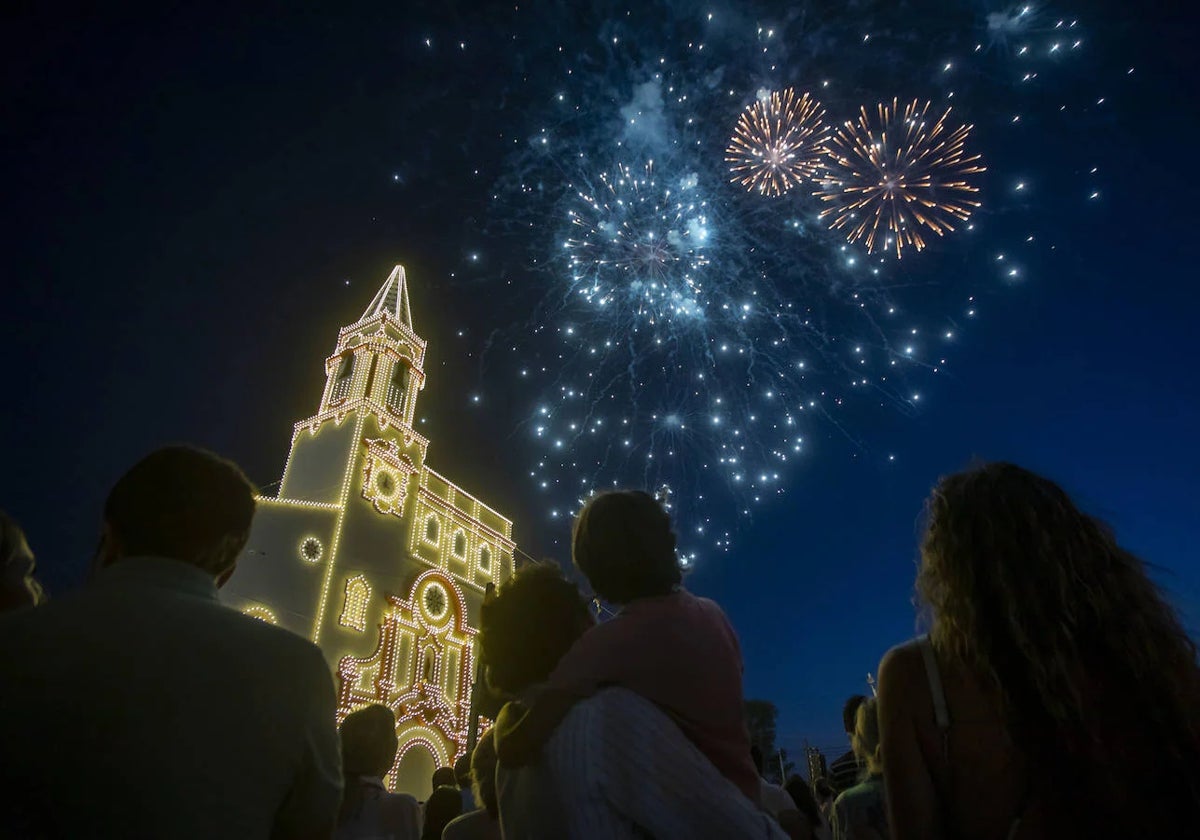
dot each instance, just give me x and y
(892, 177)
(778, 143)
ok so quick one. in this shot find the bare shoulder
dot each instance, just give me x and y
(902, 665)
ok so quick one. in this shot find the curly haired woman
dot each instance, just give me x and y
(1056, 695)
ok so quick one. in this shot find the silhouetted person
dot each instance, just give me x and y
(616, 765)
(444, 804)
(142, 706)
(444, 777)
(18, 586)
(846, 769)
(1057, 692)
(803, 796)
(778, 802)
(482, 823)
(860, 812)
(368, 810)
(462, 778)
(673, 648)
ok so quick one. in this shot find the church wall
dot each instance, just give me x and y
(282, 564)
(373, 549)
(318, 461)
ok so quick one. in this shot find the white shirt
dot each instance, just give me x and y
(618, 767)
(144, 707)
(381, 815)
(775, 800)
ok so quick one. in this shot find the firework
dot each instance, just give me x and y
(895, 175)
(638, 244)
(779, 142)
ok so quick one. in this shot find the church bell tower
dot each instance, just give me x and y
(366, 550)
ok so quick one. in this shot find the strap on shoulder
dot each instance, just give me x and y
(941, 713)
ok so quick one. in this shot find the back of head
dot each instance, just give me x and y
(368, 741)
(802, 795)
(623, 543)
(1097, 677)
(483, 773)
(526, 628)
(369, 745)
(445, 803)
(850, 712)
(183, 503)
(444, 777)
(865, 740)
(462, 771)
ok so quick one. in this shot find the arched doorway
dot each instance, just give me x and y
(414, 770)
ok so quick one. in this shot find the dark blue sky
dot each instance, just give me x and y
(188, 193)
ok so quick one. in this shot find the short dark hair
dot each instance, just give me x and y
(369, 741)
(526, 628)
(462, 770)
(623, 543)
(850, 711)
(184, 503)
(444, 777)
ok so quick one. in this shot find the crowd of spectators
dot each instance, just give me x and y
(1054, 694)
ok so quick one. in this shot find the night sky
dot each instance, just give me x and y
(196, 202)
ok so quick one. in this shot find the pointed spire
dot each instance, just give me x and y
(392, 298)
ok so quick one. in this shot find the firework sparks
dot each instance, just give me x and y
(638, 244)
(895, 175)
(779, 142)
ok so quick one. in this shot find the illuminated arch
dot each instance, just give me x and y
(485, 559)
(261, 613)
(354, 608)
(458, 545)
(434, 741)
(432, 529)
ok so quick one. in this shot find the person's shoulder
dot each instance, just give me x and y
(400, 802)
(902, 666)
(865, 792)
(472, 825)
(20, 628)
(284, 648)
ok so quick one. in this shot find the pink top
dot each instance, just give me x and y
(681, 653)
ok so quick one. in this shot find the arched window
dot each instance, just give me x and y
(398, 386)
(431, 529)
(427, 670)
(460, 545)
(485, 559)
(354, 609)
(345, 375)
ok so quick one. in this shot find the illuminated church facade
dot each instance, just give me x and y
(373, 555)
